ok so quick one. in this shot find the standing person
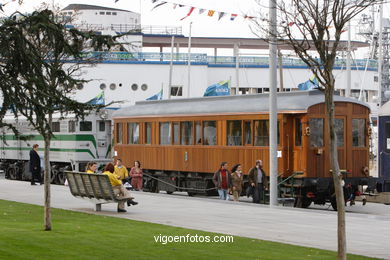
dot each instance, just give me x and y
(136, 175)
(121, 171)
(223, 181)
(118, 188)
(237, 181)
(91, 167)
(35, 165)
(258, 181)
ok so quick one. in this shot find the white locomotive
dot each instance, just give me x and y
(74, 144)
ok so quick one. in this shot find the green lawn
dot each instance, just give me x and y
(85, 236)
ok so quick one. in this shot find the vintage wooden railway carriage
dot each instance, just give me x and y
(183, 141)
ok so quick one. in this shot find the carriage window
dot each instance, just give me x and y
(187, 136)
(72, 126)
(165, 133)
(261, 132)
(55, 126)
(339, 127)
(358, 135)
(210, 132)
(234, 132)
(387, 140)
(298, 132)
(148, 133)
(247, 132)
(176, 133)
(316, 132)
(119, 133)
(85, 126)
(133, 133)
(198, 132)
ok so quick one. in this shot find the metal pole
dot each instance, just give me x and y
(273, 160)
(189, 62)
(348, 88)
(237, 57)
(280, 61)
(171, 67)
(380, 58)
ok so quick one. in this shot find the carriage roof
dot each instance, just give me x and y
(384, 110)
(296, 101)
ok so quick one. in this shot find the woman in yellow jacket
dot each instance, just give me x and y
(121, 171)
(91, 167)
(120, 191)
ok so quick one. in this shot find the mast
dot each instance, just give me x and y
(189, 63)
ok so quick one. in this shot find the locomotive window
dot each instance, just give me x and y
(358, 135)
(176, 133)
(102, 126)
(119, 133)
(234, 132)
(298, 132)
(165, 133)
(248, 132)
(198, 132)
(55, 126)
(339, 127)
(148, 133)
(210, 132)
(133, 133)
(316, 132)
(387, 140)
(85, 126)
(71, 126)
(187, 136)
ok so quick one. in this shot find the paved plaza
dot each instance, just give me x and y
(367, 234)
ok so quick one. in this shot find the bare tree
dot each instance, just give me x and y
(313, 29)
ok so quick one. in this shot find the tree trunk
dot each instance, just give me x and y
(337, 176)
(47, 214)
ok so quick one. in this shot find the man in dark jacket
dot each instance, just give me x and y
(223, 181)
(258, 181)
(35, 165)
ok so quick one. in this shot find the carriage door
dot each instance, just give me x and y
(103, 135)
(340, 128)
(298, 156)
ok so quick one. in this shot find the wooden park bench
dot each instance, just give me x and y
(95, 188)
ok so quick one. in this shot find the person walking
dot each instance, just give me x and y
(223, 181)
(35, 165)
(258, 180)
(136, 175)
(237, 181)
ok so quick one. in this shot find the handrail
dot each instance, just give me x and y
(290, 177)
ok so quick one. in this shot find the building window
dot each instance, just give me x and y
(176, 91)
(72, 126)
(55, 126)
(210, 132)
(243, 91)
(234, 132)
(85, 126)
(148, 133)
(133, 133)
(316, 132)
(298, 132)
(358, 132)
(165, 133)
(339, 127)
(119, 133)
(187, 135)
(248, 132)
(102, 126)
(176, 133)
(198, 132)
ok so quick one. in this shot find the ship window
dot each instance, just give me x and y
(103, 86)
(85, 126)
(55, 126)
(248, 132)
(187, 136)
(298, 132)
(358, 135)
(234, 132)
(71, 126)
(119, 133)
(113, 13)
(198, 132)
(133, 133)
(148, 133)
(144, 87)
(134, 87)
(316, 132)
(101, 13)
(176, 133)
(165, 133)
(112, 86)
(210, 132)
(339, 127)
(176, 91)
(108, 13)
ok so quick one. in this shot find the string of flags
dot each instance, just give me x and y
(191, 10)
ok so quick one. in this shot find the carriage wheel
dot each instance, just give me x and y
(12, 173)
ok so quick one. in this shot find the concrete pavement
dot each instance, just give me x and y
(367, 234)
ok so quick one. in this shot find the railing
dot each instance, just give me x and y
(124, 28)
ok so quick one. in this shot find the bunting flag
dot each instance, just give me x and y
(219, 89)
(157, 5)
(211, 13)
(98, 100)
(201, 11)
(157, 96)
(233, 16)
(221, 14)
(189, 13)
